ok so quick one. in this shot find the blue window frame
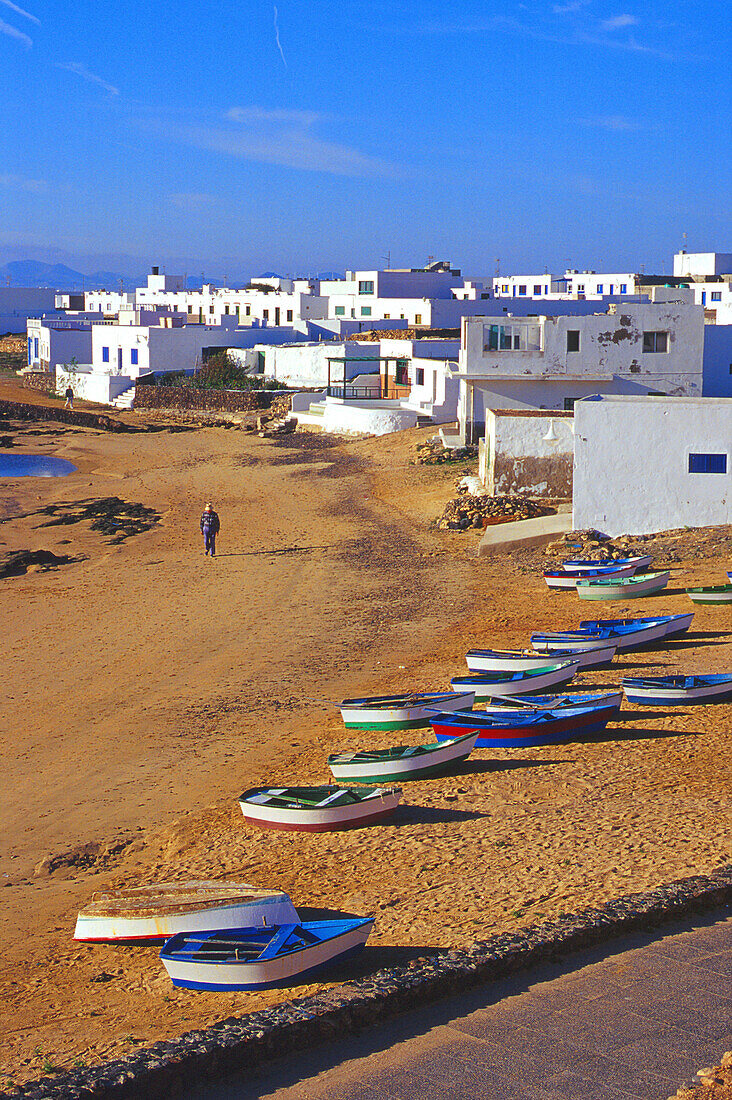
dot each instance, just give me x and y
(35, 345)
(133, 357)
(707, 464)
(105, 355)
(623, 288)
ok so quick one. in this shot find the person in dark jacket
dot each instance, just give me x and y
(209, 529)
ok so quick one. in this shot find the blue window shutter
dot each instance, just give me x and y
(708, 464)
(133, 357)
(105, 355)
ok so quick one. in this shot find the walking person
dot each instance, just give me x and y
(210, 526)
(69, 395)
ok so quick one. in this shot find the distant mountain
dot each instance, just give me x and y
(61, 277)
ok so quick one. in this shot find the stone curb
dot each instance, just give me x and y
(169, 1068)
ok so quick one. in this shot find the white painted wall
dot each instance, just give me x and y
(367, 417)
(53, 344)
(702, 263)
(520, 459)
(101, 388)
(631, 464)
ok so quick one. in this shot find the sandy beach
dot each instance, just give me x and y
(145, 686)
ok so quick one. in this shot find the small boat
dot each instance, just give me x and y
(486, 685)
(574, 564)
(717, 594)
(627, 588)
(677, 690)
(261, 958)
(400, 763)
(637, 633)
(569, 645)
(610, 700)
(502, 660)
(145, 913)
(729, 575)
(569, 578)
(526, 730)
(317, 809)
(398, 712)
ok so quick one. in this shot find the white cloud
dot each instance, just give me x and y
(277, 35)
(20, 11)
(286, 138)
(618, 21)
(21, 183)
(13, 32)
(78, 69)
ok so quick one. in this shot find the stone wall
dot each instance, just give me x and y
(17, 410)
(45, 381)
(182, 399)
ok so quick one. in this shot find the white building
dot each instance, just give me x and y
(548, 362)
(56, 341)
(19, 303)
(645, 464)
(573, 284)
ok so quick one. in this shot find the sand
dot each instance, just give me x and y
(147, 686)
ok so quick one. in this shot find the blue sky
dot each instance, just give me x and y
(235, 135)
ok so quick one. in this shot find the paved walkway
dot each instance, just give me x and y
(632, 1020)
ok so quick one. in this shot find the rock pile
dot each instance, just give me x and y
(593, 544)
(269, 429)
(711, 1083)
(435, 453)
(472, 511)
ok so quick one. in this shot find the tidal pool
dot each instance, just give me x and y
(13, 465)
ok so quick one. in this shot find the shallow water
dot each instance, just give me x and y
(14, 465)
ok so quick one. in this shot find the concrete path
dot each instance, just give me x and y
(633, 1020)
(503, 537)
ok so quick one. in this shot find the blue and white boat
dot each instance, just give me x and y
(263, 957)
(575, 564)
(677, 690)
(591, 650)
(528, 729)
(603, 700)
(569, 578)
(502, 660)
(487, 685)
(636, 633)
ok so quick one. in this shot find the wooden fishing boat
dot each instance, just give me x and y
(573, 564)
(400, 763)
(716, 594)
(677, 690)
(570, 646)
(398, 712)
(603, 700)
(627, 588)
(637, 633)
(503, 660)
(569, 578)
(486, 685)
(527, 730)
(261, 958)
(156, 912)
(317, 809)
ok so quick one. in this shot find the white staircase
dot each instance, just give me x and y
(126, 399)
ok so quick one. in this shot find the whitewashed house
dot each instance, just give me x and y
(548, 362)
(645, 464)
(55, 341)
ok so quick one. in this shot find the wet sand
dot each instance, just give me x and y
(147, 686)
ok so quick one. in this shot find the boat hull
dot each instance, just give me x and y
(719, 594)
(161, 925)
(578, 564)
(633, 638)
(436, 762)
(270, 973)
(487, 660)
(410, 716)
(611, 700)
(489, 689)
(323, 819)
(630, 589)
(571, 578)
(569, 727)
(589, 656)
(660, 695)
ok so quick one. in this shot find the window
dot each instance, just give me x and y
(418, 318)
(366, 286)
(504, 288)
(265, 314)
(211, 308)
(420, 376)
(623, 288)
(600, 288)
(522, 288)
(573, 339)
(704, 298)
(655, 341)
(340, 311)
(580, 288)
(190, 309)
(537, 291)
(226, 309)
(387, 317)
(133, 357)
(402, 372)
(248, 310)
(611, 289)
(569, 403)
(504, 338)
(289, 315)
(716, 296)
(707, 464)
(105, 355)
(365, 311)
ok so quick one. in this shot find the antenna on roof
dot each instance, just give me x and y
(498, 265)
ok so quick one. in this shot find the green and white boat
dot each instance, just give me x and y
(718, 593)
(400, 712)
(623, 588)
(400, 763)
